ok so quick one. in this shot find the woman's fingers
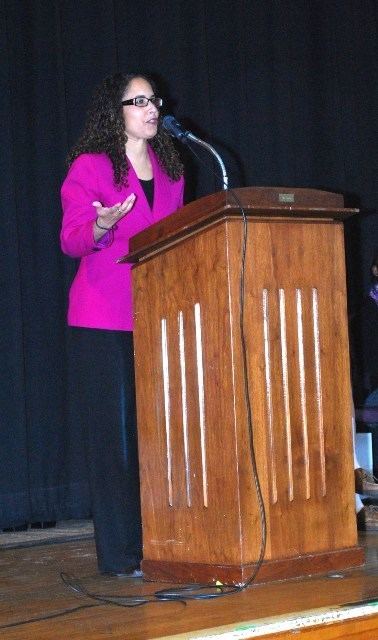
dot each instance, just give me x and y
(126, 204)
(110, 215)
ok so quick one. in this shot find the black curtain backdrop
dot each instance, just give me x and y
(285, 90)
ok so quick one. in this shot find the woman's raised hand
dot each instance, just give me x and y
(107, 217)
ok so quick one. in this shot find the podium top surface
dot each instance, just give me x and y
(265, 203)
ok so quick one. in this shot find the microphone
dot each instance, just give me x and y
(176, 130)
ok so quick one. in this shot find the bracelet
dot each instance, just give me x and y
(103, 228)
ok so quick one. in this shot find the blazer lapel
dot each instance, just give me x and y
(137, 188)
(161, 188)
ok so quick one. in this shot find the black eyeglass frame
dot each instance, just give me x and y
(157, 102)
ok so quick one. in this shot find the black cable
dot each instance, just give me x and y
(134, 600)
(120, 600)
(189, 592)
(247, 396)
(48, 616)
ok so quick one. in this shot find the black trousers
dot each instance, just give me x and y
(102, 391)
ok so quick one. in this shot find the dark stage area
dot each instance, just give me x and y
(286, 92)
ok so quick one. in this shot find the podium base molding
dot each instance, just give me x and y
(270, 570)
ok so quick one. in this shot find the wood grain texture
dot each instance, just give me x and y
(256, 201)
(193, 437)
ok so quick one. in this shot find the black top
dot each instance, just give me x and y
(148, 188)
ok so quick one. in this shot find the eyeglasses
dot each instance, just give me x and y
(142, 101)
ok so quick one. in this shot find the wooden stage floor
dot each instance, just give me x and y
(344, 605)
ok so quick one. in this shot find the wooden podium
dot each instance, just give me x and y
(200, 513)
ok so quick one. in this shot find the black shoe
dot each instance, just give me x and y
(131, 572)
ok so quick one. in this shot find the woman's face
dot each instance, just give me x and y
(141, 123)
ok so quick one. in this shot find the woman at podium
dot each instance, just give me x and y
(124, 175)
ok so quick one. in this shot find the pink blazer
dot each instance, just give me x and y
(100, 295)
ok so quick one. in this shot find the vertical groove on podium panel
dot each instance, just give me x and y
(184, 407)
(268, 393)
(201, 397)
(167, 408)
(285, 389)
(302, 389)
(318, 382)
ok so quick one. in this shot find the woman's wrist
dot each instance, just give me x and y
(102, 228)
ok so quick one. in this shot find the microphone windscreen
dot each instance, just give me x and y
(173, 127)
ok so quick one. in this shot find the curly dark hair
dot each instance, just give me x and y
(104, 131)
